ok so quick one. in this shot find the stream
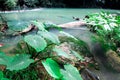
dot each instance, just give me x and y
(18, 20)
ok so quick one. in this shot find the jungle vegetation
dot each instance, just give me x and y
(25, 4)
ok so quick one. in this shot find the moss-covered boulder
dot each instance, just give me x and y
(113, 59)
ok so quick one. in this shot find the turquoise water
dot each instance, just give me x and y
(56, 15)
(20, 19)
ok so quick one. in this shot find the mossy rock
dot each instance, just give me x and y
(77, 45)
(113, 59)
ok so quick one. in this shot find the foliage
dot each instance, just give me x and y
(29, 73)
(37, 42)
(11, 4)
(64, 33)
(25, 63)
(77, 55)
(40, 25)
(24, 4)
(52, 68)
(107, 27)
(4, 59)
(20, 62)
(70, 73)
(61, 53)
(103, 21)
(8, 4)
(50, 36)
(17, 62)
(31, 3)
(2, 76)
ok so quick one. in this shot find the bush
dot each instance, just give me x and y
(8, 4)
(107, 27)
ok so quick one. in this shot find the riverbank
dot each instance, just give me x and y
(55, 15)
(38, 9)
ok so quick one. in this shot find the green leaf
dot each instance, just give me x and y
(77, 55)
(50, 25)
(52, 68)
(36, 41)
(68, 35)
(4, 79)
(18, 25)
(70, 73)
(19, 62)
(1, 75)
(50, 36)
(39, 25)
(4, 59)
(60, 52)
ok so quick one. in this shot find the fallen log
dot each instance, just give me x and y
(32, 27)
(26, 30)
(66, 25)
(73, 24)
(4, 28)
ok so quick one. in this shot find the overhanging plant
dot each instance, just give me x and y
(107, 27)
(2, 76)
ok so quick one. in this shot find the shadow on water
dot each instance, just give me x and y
(59, 16)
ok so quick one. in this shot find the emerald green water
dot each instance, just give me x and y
(56, 15)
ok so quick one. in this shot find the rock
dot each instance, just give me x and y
(87, 59)
(113, 59)
(66, 47)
